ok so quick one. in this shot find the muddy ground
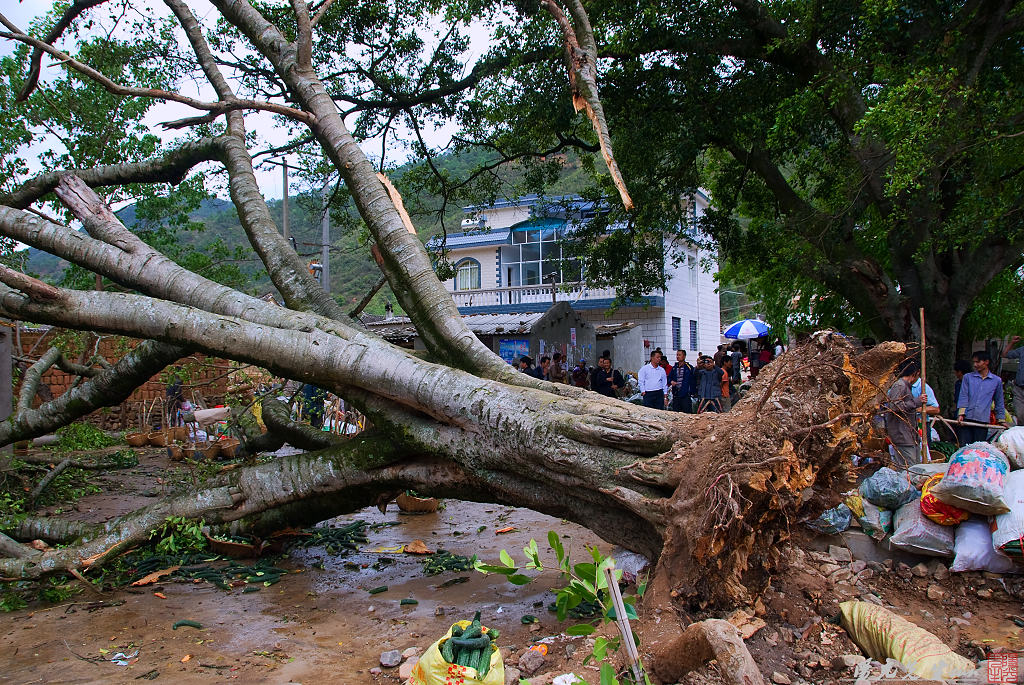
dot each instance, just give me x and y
(321, 624)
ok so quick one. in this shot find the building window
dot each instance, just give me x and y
(535, 257)
(693, 335)
(691, 263)
(677, 333)
(467, 275)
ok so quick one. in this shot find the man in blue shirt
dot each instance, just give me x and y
(979, 391)
(1017, 387)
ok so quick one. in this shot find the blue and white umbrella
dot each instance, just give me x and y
(747, 329)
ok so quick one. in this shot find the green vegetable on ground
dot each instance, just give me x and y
(187, 624)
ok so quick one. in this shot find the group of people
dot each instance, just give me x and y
(978, 395)
(710, 386)
(601, 379)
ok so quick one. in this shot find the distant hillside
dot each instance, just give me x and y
(353, 271)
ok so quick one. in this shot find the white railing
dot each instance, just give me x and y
(529, 294)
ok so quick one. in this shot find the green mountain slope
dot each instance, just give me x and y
(353, 271)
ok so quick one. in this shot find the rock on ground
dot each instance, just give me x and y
(530, 662)
(390, 658)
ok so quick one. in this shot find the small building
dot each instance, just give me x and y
(557, 329)
(508, 260)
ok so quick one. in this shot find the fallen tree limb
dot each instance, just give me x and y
(700, 643)
(106, 389)
(14, 549)
(47, 479)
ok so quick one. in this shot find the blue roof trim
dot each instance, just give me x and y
(579, 305)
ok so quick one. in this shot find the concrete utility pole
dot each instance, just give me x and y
(325, 241)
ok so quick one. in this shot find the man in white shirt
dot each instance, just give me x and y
(653, 382)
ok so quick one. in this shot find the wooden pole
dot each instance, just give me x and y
(925, 456)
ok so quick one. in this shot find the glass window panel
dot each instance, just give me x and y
(510, 255)
(548, 234)
(467, 276)
(551, 251)
(533, 236)
(550, 267)
(531, 273)
(518, 237)
(531, 252)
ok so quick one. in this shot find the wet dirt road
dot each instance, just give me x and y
(318, 625)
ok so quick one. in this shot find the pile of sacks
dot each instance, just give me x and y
(970, 508)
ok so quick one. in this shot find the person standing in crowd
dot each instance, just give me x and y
(605, 381)
(1017, 385)
(557, 372)
(709, 386)
(665, 366)
(737, 361)
(719, 353)
(653, 382)
(931, 407)
(581, 374)
(681, 379)
(980, 390)
(313, 402)
(754, 355)
(726, 384)
(901, 419)
(526, 366)
(541, 371)
(961, 367)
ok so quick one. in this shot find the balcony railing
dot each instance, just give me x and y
(530, 294)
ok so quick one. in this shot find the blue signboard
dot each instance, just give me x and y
(511, 349)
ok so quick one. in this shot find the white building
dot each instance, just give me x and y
(508, 260)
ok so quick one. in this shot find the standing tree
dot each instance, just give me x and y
(863, 157)
(709, 497)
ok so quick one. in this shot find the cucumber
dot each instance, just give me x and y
(483, 664)
(446, 651)
(472, 643)
(378, 590)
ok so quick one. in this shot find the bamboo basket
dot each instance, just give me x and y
(189, 452)
(237, 550)
(228, 446)
(210, 452)
(136, 439)
(179, 433)
(175, 452)
(159, 439)
(416, 505)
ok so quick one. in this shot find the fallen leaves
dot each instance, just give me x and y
(417, 547)
(155, 576)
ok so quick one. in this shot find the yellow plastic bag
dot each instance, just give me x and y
(432, 669)
(856, 504)
(882, 634)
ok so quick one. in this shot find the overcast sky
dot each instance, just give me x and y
(23, 13)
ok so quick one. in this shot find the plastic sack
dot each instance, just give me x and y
(975, 552)
(919, 473)
(884, 635)
(1011, 442)
(432, 669)
(833, 521)
(876, 522)
(917, 533)
(937, 510)
(1008, 529)
(887, 489)
(975, 480)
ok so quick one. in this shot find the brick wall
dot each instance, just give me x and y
(208, 378)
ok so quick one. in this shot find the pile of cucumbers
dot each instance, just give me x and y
(336, 541)
(443, 560)
(470, 647)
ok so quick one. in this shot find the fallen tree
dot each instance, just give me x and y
(709, 497)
